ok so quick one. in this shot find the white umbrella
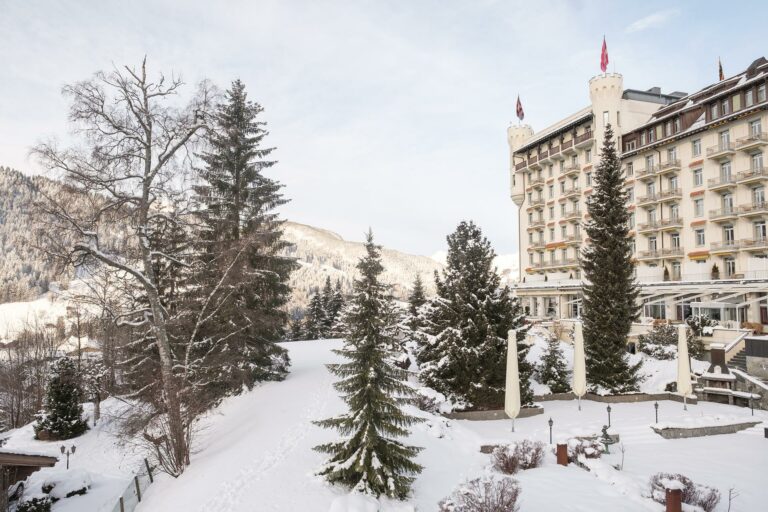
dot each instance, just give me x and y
(579, 363)
(512, 391)
(683, 365)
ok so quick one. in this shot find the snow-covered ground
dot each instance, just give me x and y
(255, 453)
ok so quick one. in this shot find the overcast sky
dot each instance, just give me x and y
(389, 114)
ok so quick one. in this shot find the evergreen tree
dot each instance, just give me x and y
(314, 320)
(610, 291)
(416, 299)
(369, 459)
(297, 329)
(63, 418)
(463, 344)
(335, 308)
(243, 237)
(553, 370)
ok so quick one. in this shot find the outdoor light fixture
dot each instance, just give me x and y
(609, 415)
(751, 403)
(69, 452)
(550, 422)
(656, 406)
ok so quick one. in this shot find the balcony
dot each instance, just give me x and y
(573, 215)
(533, 163)
(567, 148)
(649, 226)
(571, 169)
(536, 224)
(673, 252)
(674, 194)
(521, 165)
(537, 181)
(669, 167)
(673, 223)
(544, 157)
(537, 245)
(722, 150)
(569, 262)
(723, 215)
(537, 203)
(756, 244)
(726, 247)
(725, 182)
(752, 142)
(646, 174)
(554, 153)
(647, 200)
(754, 209)
(573, 191)
(584, 140)
(572, 239)
(752, 176)
(648, 255)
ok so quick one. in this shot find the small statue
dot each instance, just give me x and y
(606, 439)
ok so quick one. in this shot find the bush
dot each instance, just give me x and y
(510, 459)
(660, 342)
(35, 505)
(693, 494)
(589, 448)
(484, 494)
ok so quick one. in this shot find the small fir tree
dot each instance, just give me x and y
(610, 291)
(369, 459)
(314, 321)
(463, 345)
(297, 329)
(335, 308)
(416, 300)
(63, 418)
(553, 370)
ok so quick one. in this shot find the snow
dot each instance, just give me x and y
(255, 453)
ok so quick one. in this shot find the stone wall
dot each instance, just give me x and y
(613, 399)
(526, 412)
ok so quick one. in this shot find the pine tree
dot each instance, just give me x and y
(416, 299)
(297, 329)
(335, 308)
(553, 370)
(314, 320)
(243, 237)
(369, 459)
(63, 418)
(463, 344)
(610, 291)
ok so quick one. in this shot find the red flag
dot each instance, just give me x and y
(604, 57)
(720, 69)
(520, 113)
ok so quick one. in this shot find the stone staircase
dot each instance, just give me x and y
(739, 361)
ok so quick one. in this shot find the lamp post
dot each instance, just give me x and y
(609, 415)
(656, 406)
(68, 452)
(550, 422)
(751, 402)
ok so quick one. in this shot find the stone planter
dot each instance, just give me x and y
(713, 430)
(498, 414)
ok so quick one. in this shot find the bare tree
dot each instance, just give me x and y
(132, 166)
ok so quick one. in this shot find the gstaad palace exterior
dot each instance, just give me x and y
(696, 174)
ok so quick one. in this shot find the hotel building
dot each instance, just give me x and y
(696, 175)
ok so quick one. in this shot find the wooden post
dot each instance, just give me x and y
(138, 489)
(122, 506)
(562, 454)
(674, 499)
(149, 470)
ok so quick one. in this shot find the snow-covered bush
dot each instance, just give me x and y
(486, 494)
(589, 448)
(660, 342)
(692, 494)
(35, 505)
(63, 418)
(510, 459)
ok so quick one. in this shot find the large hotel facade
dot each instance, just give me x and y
(696, 174)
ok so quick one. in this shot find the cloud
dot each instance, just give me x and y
(654, 20)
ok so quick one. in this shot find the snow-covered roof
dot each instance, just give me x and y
(562, 125)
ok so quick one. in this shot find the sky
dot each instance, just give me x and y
(385, 114)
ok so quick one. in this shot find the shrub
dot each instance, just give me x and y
(693, 494)
(510, 459)
(484, 494)
(35, 505)
(660, 342)
(589, 448)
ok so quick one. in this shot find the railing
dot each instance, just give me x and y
(543, 155)
(583, 137)
(727, 245)
(573, 214)
(673, 251)
(521, 165)
(668, 194)
(754, 243)
(671, 222)
(566, 145)
(571, 191)
(669, 164)
(554, 150)
(537, 223)
(650, 198)
(721, 181)
(720, 148)
(754, 208)
(647, 226)
(646, 173)
(537, 202)
(752, 174)
(571, 168)
(537, 181)
(753, 139)
(130, 497)
(723, 213)
(648, 254)
(539, 244)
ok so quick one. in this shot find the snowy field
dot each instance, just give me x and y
(255, 453)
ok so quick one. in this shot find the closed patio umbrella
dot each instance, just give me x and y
(512, 390)
(579, 363)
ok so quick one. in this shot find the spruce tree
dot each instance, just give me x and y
(553, 370)
(463, 342)
(610, 291)
(416, 299)
(242, 235)
(314, 320)
(369, 458)
(63, 418)
(327, 299)
(297, 329)
(335, 308)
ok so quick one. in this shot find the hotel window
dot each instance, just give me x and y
(633, 246)
(749, 98)
(563, 231)
(606, 118)
(564, 252)
(576, 230)
(630, 194)
(630, 169)
(674, 238)
(530, 197)
(551, 170)
(730, 267)
(760, 231)
(642, 139)
(562, 165)
(725, 139)
(758, 196)
(668, 128)
(650, 189)
(651, 135)
(630, 146)
(551, 212)
(551, 234)
(673, 183)
(530, 217)
(677, 124)
(696, 144)
(676, 270)
(756, 160)
(674, 212)
(651, 216)
(698, 207)
(652, 243)
(562, 187)
(713, 111)
(698, 178)
(728, 234)
(551, 191)
(632, 220)
(588, 178)
(530, 237)
(671, 154)
(574, 160)
(726, 107)
(618, 118)
(649, 162)
(700, 240)
(727, 203)
(755, 128)
(552, 256)
(725, 172)
(562, 209)
(761, 93)
(588, 156)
